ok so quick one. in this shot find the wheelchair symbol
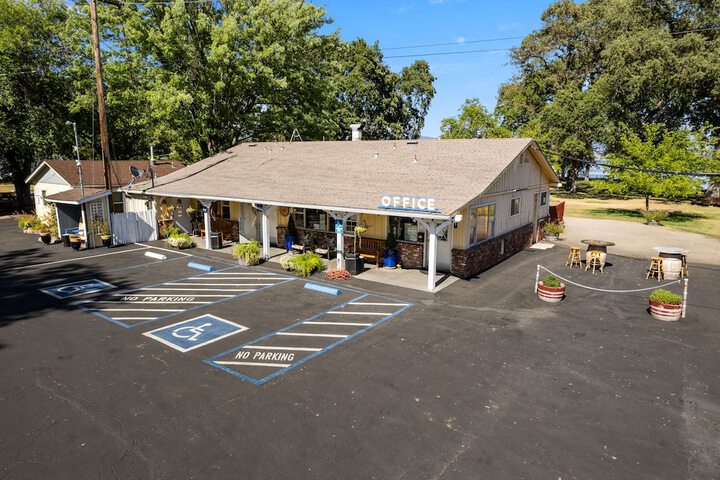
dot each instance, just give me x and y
(71, 289)
(194, 332)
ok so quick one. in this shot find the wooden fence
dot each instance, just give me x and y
(131, 227)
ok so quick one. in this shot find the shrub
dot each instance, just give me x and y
(291, 231)
(286, 261)
(390, 242)
(249, 252)
(553, 228)
(654, 215)
(179, 240)
(551, 281)
(169, 229)
(663, 296)
(25, 221)
(306, 263)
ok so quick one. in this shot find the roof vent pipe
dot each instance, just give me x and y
(356, 131)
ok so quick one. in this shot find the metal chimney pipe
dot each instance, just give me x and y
(356, 131)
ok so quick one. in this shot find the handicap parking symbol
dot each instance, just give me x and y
(195, 333)
(75, 289)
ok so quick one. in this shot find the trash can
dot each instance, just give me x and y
(354, 264)
(66, 239)
(215, 240)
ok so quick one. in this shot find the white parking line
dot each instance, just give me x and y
(388, 304)
(257, 364)
(238, 278)
(311, 335)
(336, 312)
(140, 310)
(201, 289)
(156, 295)
(120, 302)
(268, 347)
(222, 284)
(75, 259)
(240, 273)
(339, 323)
(134, 318)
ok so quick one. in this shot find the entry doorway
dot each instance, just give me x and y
(444, 249)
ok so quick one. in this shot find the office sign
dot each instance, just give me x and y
(408, 203)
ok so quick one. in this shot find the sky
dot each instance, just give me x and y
(400, 23)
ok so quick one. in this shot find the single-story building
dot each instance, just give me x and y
(78, 193)
(457, 206)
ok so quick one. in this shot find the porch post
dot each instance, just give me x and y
(208, 226)
(266, 231)
(340, 241)
(59, 230)
(433, 227)
(85, 229)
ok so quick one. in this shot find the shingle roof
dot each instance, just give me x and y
(348, 174)
(93, 173)
(74, 195)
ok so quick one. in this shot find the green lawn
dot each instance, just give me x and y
(683, 215)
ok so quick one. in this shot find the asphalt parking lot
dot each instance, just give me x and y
(174, 372)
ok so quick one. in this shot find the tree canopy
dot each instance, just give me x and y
(192, 78)
(473, 121)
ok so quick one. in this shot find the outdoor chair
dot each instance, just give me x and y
(655, 269)
(574, 258)
(594, 261)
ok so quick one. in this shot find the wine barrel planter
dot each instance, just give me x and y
(550, 294)
(665, 311)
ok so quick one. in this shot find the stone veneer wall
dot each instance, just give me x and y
(470, 262)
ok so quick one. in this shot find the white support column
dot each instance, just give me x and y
(266, 230)
(208, 225)
(57, 217)
(85, 229)
(433, 227)
(341, 216)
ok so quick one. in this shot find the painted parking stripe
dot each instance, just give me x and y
(134, 318)
(223, 284)
(381, 314)
(140, 309)
(380, 303)
(243, 273)
(297, 334)
(304, 354)
(201, 289)
(238, 278)
(270, 347)
(156, 295)
(339, 323)
(257, 364)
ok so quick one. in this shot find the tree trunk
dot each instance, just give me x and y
(22, 191)
(711, 197)
(572, 176)
(647, 203)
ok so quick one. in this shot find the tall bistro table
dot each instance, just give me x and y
(599, 245)
(672, 261)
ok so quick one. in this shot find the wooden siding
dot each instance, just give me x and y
(523, 178)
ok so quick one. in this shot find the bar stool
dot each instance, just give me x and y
(684, 267)
(574, 258)
(656, 268)
(595, 260)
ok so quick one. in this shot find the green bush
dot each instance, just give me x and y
(249, 252)
(663, 296)
(179, 240)
(286, 261)
(25, 221)
(553, 228)
(551, 281)
(390, 242)
(169, 229)
(291, 231)
(654, 215)
(306, 263)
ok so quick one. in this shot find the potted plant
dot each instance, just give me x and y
(45, 234)
(290, 233)
(306, 263)
(249, 253)
(553, 230)
(103, 228)
(75, 241)
(551, 289)
(665, 305)
(390, 251)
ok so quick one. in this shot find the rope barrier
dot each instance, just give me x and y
(600, 289)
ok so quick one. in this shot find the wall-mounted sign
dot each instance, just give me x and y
(407, 203)
(339, 227)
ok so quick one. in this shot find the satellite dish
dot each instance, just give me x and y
(136, 172)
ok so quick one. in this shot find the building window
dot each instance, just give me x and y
(482, 223)
(117, 205)
(222, 209)
(350, 225)
(543, 199)
(316, 220)
(404, 228)
(299, 216)
(514, 206)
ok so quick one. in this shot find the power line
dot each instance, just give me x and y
(449, 53)
(452, 43)
(605, 163)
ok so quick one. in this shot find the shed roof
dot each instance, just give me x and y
(75, 196)
(349, 176)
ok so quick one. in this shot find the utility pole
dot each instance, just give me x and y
(104, 139)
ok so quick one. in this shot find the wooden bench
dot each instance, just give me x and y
(371, 248)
